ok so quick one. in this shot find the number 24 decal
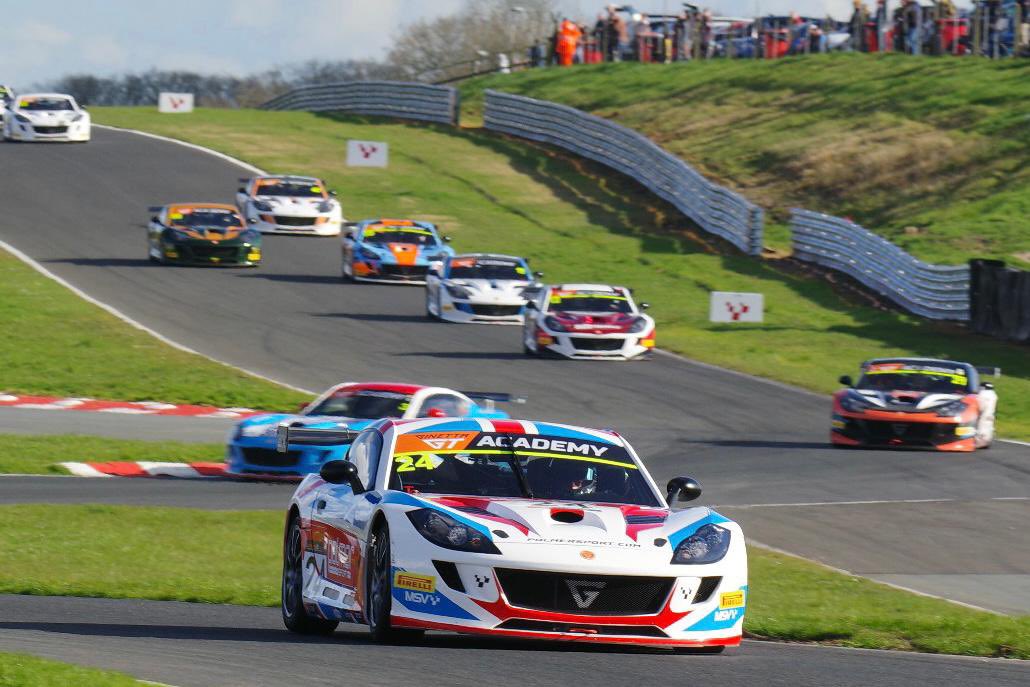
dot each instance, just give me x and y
(409, 464)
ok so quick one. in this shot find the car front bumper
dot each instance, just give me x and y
(373, 270)
(308, 225)
(258, 456)
(595, 346)
(204, 253)
(492, 312)
(892, 430)
(74, 132)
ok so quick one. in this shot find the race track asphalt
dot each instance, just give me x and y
(759, 448)
(205, 645)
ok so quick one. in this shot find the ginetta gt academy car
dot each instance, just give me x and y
(915, 402)
(392, 250)
(479, 287)
(290, 205)
(45, 117)
(201, 234)
(509, 528)
(252, 449)
(587, 321)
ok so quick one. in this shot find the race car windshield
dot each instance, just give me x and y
(202, 218)
(363, 405)
(591, 303)
(488, 269)
(292, 189)
(46, 104)
(925, 381)
(420, 237)
(535, 466)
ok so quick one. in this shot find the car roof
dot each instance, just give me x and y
(400, 388)
(46, 95)
(290, 177)
(527, 427)
(937, 362)
(201, 206)
(590, 287)
(485, 255)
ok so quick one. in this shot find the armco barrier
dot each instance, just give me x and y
(939, 292)
(383, 98)
(713, 208)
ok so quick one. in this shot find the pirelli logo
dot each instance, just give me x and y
(414, 582)
(731, 599)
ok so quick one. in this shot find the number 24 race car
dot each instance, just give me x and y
(510, 528)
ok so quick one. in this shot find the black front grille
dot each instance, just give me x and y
(404, 271)
(495, 310)
(269, 457)
(883, 432)
(545, 626)
(588, 344)
(705, 589)
(293, 221)
(202, 251)
(585, 594)
(50, 129)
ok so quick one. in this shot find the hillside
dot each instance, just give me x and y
(932, 153)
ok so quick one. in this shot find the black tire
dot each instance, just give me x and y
(527, 350)
(379, 588)
(429, 313)
(295, 616)
(700, 650)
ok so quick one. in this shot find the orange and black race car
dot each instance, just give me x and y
(916, 403)
(201, 234)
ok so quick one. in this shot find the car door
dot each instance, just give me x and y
(340, 516)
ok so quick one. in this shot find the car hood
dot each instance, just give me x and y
(285, 205)
(491, 289)
(215, 234)
(49, 117)
(594, 323)
(406, 253)
(265, 426)
(900, 400)
(568, 523)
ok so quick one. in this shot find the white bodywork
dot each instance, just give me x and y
(477, 301)
(319, 215)
(24, 121)
(550, 328)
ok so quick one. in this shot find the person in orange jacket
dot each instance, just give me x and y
(568, 40)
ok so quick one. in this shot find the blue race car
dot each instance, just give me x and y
(354, 406)
(392, 250)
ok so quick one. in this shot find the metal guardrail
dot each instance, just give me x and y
(712, 207)
(383, 98)
(938, 292)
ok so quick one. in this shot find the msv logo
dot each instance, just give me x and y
(422, 598)
(721, 616)
(585, 592)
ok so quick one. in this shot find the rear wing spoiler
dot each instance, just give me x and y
(988, 371)
(492, 398)
(318, 436)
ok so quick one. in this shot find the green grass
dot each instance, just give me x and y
(54, 343)
(38, 455)
(21, 670)
(233, 557)
(578, 224)
(939, 145)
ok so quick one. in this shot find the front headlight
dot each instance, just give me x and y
(951, 409)
(457, 291)
(853, 405)
(251, 235)
(22, 118)
(368, 254)
(325, 206)
(262, 206)
(79, 117)
(445, 531)
(553, 324)
(708, 545)
(638, 325)
(254, 430)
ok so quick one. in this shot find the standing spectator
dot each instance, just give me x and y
(683, 35)
(600, 36)
(707, 34)
(859, 17)
(899, 26)
(798, 34)
(882, 25)
(643, 37)
(568, 41)
(620, 34)
(913, 24)
(1024, 27)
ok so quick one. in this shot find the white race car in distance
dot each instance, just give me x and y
(508, 528)
(480, 287)
(283, 204)
(587, 322)
(45, 117)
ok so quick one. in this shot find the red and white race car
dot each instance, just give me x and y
(588, 322)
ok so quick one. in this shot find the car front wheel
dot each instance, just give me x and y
(295, 616)
(379, 590)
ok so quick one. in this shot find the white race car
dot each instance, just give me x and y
(6, 95)
(480, 287)
(589, 322)
(508, 528)
(45, 117)
(290, 205)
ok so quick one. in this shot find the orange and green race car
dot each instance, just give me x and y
(201, 234)
(915, 403)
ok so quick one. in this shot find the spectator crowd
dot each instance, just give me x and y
(992, 28)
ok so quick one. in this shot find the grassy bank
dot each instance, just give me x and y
(55, 343)
(21, 670)
(39, 455)
(578, 224)
(233, 557)
(932, 153)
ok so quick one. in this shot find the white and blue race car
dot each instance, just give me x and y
(45, 117)
(482, 288)
(286, 204)
(392, 250)
(352, 405)
(509, 528)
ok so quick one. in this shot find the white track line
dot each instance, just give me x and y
(868, 503)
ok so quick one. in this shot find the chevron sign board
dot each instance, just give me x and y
(727, 306)
(367, 153)
(175, 103)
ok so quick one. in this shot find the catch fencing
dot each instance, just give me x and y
(381, 98)
(938, 292)
(999, 300)
(712, 207)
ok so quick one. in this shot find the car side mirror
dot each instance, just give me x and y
(538, 275)
(342, 472)
(252, 220)
(446, 239)
(241, 189)
(349, 234)
(986, 385)
(683, 489)
(530, 305)
(155, 220)
(301, 406)
(436, 412)
(645, 306)
(845, 380)
(332, 193)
